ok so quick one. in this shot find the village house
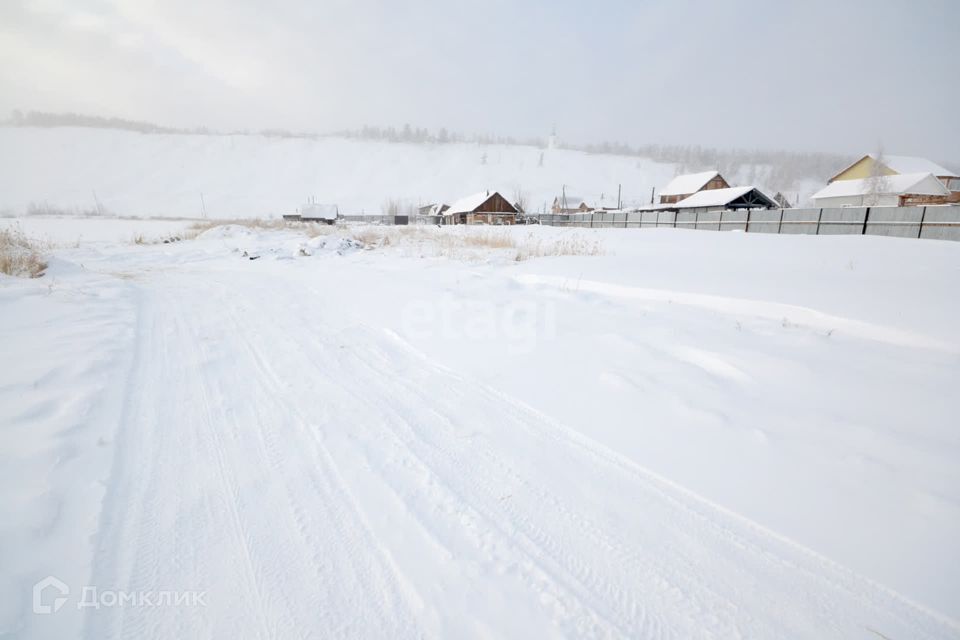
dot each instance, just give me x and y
(570, 204)
(486, 207)
(686, 185)
(891, 190)
(875, 175)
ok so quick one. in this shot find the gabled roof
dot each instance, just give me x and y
(721, 198)
(573, 202)
(904, 165)
(470, 203)
(688, 183)
(910, 183)
(911, 164)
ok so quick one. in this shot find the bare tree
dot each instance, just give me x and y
(877, 184)
(520, 199)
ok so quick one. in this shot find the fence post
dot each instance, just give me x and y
(866, 216)
(819, 218)
(923, 216)
(746, 228)
(780, 224)
(696, 220)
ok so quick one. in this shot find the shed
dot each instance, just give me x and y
(313, 212)
(728, 198)
(435, 209)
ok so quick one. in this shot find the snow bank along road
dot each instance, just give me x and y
(300, 442)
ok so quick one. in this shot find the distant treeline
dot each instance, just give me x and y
(45, 119)
(417, 135)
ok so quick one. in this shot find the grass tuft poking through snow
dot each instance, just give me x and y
(19, 255)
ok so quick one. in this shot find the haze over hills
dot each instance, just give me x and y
(68, 163)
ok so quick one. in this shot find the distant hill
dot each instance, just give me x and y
(138, 169)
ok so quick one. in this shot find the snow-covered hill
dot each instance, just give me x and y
(242, 176)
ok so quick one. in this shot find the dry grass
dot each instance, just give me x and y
(476, 243)
(274, 224)
(459, 242)
(19, 255)
(573, 246)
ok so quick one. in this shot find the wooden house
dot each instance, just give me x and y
(486, 207)
(686, 185)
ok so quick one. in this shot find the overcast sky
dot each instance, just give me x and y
(838, 75)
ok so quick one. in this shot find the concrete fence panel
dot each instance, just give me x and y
(800, 221)
(666, 219)
(941, 223)
(709, 220)
(733, 220)
(842, 220)
(648, 219)
(686, 220)
(901, 222)
(764, 221)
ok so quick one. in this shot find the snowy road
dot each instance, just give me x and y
(316, 475)
(332, 476)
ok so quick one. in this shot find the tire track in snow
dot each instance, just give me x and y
(762, 542)
(570, 594)
(328, 485)
(772, 555)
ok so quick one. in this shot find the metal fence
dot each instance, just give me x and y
(935, 222)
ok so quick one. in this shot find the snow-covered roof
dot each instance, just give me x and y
(573, 202)
(319, 211)
(688, 183)
(910, 183)
(716, 197)
(911, 164)
(470, 203)
(905, 165)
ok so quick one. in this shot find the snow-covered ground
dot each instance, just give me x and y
(131, 174)
(65, 231)
(457, 433)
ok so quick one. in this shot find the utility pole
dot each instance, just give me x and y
(619, 186)
(651, 194)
